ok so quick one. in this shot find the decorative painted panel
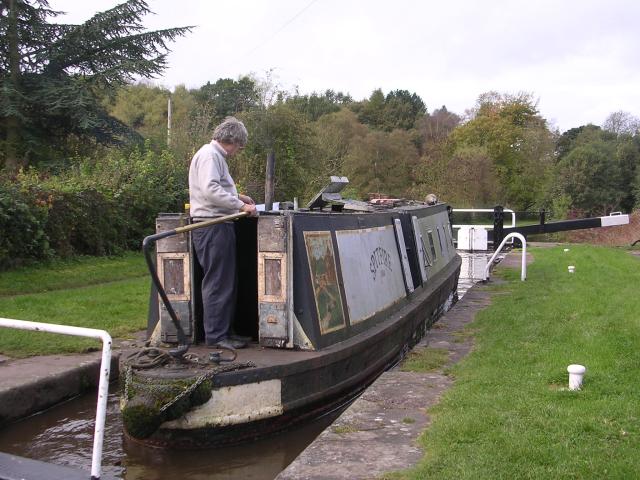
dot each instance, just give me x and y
(324, 279)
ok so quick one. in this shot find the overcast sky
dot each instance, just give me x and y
(579, 59)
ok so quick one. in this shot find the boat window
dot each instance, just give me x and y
(432, 244)
(425, 254)
(440, 239)
(446, 237)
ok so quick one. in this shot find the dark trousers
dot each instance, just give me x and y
(215, 248)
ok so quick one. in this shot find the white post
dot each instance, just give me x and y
(523, 269)
(576, 372)
(105, 370)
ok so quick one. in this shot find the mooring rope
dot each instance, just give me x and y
(147, 358)
(150, 357)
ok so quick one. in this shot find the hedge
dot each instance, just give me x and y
(95, 208)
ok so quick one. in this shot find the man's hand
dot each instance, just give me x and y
(246, 199)
(250, 208)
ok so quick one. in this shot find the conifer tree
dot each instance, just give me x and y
(53, 77)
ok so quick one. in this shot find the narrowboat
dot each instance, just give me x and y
(331, 295)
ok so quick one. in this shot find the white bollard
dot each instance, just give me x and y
(566, 249)
(571, 268)
(576, 372)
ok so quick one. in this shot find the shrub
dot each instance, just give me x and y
(100, 206)
(22, 223)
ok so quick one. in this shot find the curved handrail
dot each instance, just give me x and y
(523, 270)
(105, 370)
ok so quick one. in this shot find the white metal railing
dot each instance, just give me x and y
(523, 271)
(105, 370)
(484, 210)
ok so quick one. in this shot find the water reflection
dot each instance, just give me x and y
(64, 436)
(472, 269)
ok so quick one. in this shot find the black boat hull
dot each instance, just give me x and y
(316, 386)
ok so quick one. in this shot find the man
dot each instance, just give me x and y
(212, 193)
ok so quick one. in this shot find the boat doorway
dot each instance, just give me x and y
(246, 318)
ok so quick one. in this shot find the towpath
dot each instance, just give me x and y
(378, 433)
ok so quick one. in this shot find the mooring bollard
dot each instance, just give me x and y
(566, 250)
(571, 268)
(576, 372)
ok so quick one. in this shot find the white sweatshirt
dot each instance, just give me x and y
(212, 191)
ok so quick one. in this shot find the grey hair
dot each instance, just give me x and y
(232, 132)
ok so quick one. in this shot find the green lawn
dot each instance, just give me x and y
(106, 293)
(509, 414)
(72, 273)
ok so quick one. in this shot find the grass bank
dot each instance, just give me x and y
(106, 293)
(509, 413)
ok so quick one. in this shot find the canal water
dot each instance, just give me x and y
(64, 435)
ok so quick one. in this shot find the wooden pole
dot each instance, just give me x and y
(169, 121)
(269, 187)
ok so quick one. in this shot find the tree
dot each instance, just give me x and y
(597, 170)
(144, 107)
(54, 76)
(434, 129)
(316, 105)
(285, 132)
(228, 97)
(567, 141)
(371, 111)
(518, 142)
(591, 178)
(627, 158)
(334, 134)
(465, 178)
(398, 109)
(382, 162)
(402, 110)
(622, 123)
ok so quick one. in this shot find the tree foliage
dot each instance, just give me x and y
(54, 76)
(597, 171)
(518, 142)
(621, 122)
(316, 105)
(590, 179)
(228, 97)
(285, 132)
(382, 162)
(334, 134)
(398, 109)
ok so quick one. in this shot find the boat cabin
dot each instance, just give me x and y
(308, 279)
